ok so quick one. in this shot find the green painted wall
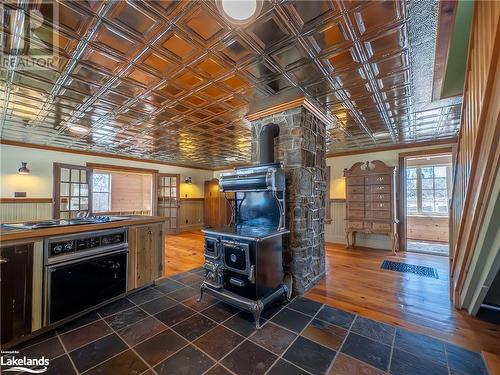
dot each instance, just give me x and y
(457, 56)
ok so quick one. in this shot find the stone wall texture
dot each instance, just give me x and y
(301, 148)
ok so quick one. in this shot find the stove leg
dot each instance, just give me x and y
(256, 311)
(202, 288)
(287, 287)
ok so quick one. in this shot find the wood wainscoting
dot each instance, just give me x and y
(428, 228)
(191, 209)
(477, 158)
(191, 214)
(25, 209)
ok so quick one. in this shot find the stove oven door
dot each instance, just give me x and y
(212, 245)
(236, 257)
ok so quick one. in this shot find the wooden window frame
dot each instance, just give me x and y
(120, 168)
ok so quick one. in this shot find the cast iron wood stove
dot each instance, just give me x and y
(243, 261)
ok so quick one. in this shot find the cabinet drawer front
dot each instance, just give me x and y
(378, 179)
(381, 227)
(355, 180)
(356, 189)
(379, 206)
(379, 214)
(355, 225)
(384, 197)
(355, 205)
(356, 197)
(355, 214)
(380, 188)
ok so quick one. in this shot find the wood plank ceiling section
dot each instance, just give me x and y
(173, 80)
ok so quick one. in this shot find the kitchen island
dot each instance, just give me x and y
(52, 275)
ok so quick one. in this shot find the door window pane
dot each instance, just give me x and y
(74, 204)
(65, 174)
(73, 187)
(75, 175)
(75, 190)
(84, 204)
(64, 188)
(84, 190)
(64, 204)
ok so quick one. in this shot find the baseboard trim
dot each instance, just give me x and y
(189, 227)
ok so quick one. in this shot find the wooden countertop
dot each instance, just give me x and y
(17, 234)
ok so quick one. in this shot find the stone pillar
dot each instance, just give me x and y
(301, 148)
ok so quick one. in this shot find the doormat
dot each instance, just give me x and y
(410, 268)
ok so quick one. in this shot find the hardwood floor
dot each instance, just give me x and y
(355, 283)
(184, 251)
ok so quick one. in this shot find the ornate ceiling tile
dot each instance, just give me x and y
(174, 80)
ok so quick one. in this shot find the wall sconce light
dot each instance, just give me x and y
(188, 180)
(24, 169)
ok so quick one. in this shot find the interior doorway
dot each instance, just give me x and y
(168, 200)
(426, 182)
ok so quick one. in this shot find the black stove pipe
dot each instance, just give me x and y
(266, 142)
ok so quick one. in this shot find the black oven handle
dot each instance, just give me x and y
(53, 267)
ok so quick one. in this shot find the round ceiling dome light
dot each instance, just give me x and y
(240, 12)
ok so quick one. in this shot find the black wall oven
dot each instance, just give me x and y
(83, 271)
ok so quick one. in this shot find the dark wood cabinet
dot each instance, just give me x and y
(16, 283)
(217, 210)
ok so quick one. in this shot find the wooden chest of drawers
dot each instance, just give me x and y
(371, 201)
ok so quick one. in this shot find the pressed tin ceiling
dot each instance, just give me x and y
(173, 80)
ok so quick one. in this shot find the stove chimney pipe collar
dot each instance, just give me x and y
(266, 142)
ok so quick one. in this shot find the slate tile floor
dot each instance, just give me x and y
(163, 330)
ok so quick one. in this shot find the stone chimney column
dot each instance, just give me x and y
(301, 148)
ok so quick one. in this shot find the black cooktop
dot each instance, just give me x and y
(247, 231)
(62, 222)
